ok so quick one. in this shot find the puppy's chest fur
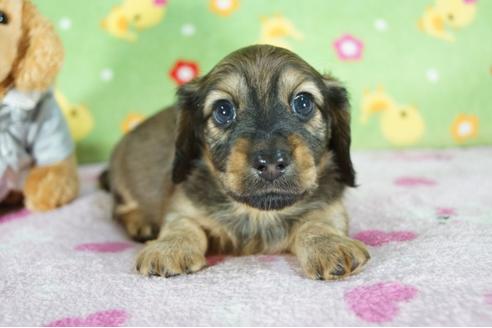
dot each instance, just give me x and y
(235, 228)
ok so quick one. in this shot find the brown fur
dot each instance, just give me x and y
(325, 253)
(180, 248)
(136, 226)
(139, 215)
(306, 165)
(237, 165)
(212, 206)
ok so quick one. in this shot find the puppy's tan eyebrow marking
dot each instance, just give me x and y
(310, 87)
(231, 86)
(289, 79)
(212, 97)
(293, 81)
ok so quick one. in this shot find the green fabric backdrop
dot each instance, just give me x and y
(419, 72)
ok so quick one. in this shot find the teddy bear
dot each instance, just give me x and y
(37, 158)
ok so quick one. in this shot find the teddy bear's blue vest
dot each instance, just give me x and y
(33, 131)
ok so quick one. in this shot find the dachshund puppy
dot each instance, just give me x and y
(254, 158)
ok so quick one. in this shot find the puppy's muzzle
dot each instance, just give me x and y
(271, 190)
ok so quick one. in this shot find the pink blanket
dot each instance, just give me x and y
(426, 216)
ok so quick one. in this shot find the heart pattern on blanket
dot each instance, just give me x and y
(110, 318)
(105, 247)
(445, 211)
(414, 182)
(268, 258)
(215, 259)
(379, 302)
(488, 298)
(14, 216)
(378, 237)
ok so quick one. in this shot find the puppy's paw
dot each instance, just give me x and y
(170, 257)
(142, 231)
(138, 228)
(332, 257)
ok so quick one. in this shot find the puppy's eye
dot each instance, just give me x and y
(303, 104)
(224, 112)
(3, 18)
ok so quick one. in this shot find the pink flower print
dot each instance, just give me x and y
(348, 48)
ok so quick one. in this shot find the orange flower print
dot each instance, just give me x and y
(131, 121)
(224, 7)
(464, 127)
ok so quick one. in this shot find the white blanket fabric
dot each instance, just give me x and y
(426, 216)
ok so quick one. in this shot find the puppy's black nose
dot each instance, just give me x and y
(271, 166)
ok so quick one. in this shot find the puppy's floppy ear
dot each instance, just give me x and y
(338, 107)
(40, 52)
(188, 138)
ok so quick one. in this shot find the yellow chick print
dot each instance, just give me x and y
(131, 15)
(374, 102)
(276, 30)
(116, 24)
(447, 14)
(79, 118)
(401, 125)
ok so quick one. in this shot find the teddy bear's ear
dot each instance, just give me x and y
(40, 52)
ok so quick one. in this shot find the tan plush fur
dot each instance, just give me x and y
(31, 55)
(48, 187)
(40, 52)
(10, 35)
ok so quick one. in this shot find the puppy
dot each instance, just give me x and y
(254, 158)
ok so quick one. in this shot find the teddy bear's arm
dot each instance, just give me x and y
(53, 180)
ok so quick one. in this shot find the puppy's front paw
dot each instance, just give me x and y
(170, 257)
(331, 257)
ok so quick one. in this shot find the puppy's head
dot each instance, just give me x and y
(267, 124)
